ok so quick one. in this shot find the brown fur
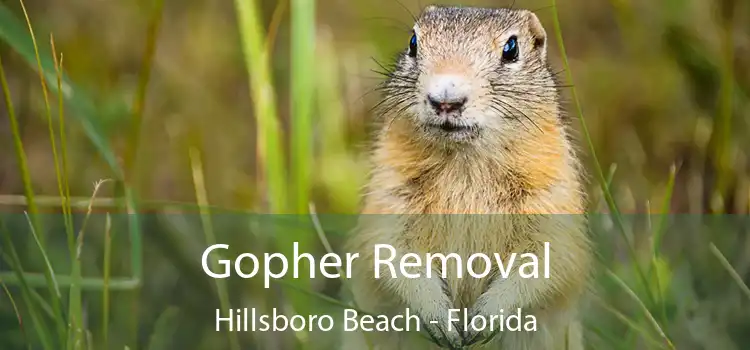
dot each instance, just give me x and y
(518, 172)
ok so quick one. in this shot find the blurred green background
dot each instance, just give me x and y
(175, 102)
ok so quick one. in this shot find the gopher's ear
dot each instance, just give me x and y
(538, 34)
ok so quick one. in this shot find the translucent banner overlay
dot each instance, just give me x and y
(207, 281)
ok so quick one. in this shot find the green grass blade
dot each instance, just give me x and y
(18, 314)
(303, 38)
(329, 249)
(139, 101)
(732, 272)
(584, 128)
(665, 205)
(13, 32)
(656, 241)
(48, 113)
(134, 230)
(54, 289)
(131, 154)
(643, 307)
(23, 167)
(106, 280)
(45, 334)
(75, 309)
(36, 280)
(721, 137)
(273, 27)
(202, 198)
(269, 135)
(40, 300)
(43, 304)
(610, 178)
(324, 240)
(65, 192)
(302, 94)
(615, 212)
(612, 340)
(321, 297)
(77, 333)
(631, 324)
(130, 205)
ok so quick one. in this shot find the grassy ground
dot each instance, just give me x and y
(198, 113)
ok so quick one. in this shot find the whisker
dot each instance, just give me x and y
(505, 114)
(535, 85)
(520, 112)
(543, 8)
(404, 26)
(392, 102)
(520, 96)
(413, 17)
(382, 66)
(382, 102)
(394, 76)
(398, 113)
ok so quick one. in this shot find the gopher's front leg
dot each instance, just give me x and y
(429, 298)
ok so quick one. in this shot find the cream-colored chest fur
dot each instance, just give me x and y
(467, 206)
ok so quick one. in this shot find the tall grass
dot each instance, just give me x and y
(15, 33)
(302, 96)
(202, 198)
(721, 137)
(268, 132)
(70, 328)
(287, 178)
(604, 184)
(52, 75)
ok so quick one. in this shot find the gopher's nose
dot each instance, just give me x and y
(444, 105)
(447, 93)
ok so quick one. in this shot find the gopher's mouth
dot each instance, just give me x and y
(452, 127)
(453, 131)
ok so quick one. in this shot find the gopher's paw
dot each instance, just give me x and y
(444, 333)
(483, 336)
(434, 311)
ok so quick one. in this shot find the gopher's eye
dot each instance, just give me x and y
(413, 46)
(510, 50)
